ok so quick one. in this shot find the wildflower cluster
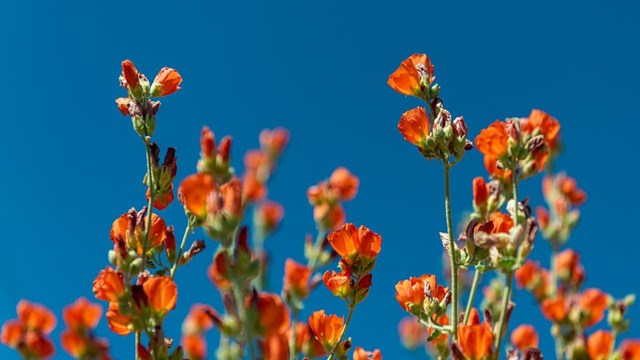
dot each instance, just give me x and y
(498, 238)
(257, 321)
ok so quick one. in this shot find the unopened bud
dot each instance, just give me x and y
(225, 148)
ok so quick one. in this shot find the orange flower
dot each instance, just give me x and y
(344, 183)
(599, 345)
(630, 350)
(74, 344)
(218, 272)
(566, 186)
(412, 333)
(269, 214)
(351, 243)
(567, 264)
(118, 323)
(545, 124)
(326, 329)
(412, 292)
(498, 223)
(595, 303)
(28, 334)
(329, 216)
(200, 319)
(475, 340)
(276, 347)
(123, 226)
(252, 190)
(543, 217)
(410, 77)
(274, 141)
(532, 277)
(273, 316)
(296, 279)
(338, 283)
(108, 285)
(12, 332)
(123, 105)
(162, 200)
(524, 336)
(194, 191)
(40, 346)
(232, 197)
(195, 346)
(491, 164)
(35, 317)
(161, 292)
(492, 141)
(306, 343)
(556, 309)
(166, 82)
(130, 74)
(414, 125)
(82, 314)
(362, 354)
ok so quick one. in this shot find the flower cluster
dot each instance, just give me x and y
(257, 322)
(29, 333)
(432, 130)
(78, 339)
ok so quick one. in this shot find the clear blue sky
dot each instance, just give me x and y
(71, 163)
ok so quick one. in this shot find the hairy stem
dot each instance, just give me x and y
(451, 250)
(315, 253)
(509, 281)
(181, 250)
(472, 294)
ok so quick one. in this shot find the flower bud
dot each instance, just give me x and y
(459, 127)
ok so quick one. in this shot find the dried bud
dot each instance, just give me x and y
(459, 127)
(531, 354)
(196, 247)
(535, 143)
(513, 128)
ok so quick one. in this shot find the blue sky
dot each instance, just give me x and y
(72, 164)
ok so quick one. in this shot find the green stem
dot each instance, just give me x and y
(432, 325)
(503, 313)
(181, 250)
(292, 345)
(344, 330)
(451, 251)
(554, 276)
(137, 343)
(509, 281)
(152, 195)
(315, 253)
(472, 294)
(238, 297)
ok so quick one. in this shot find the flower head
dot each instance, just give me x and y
(351, 243)
(524, 336)
(296, 279)
(166, 82)
(413, 75)
(161, 293)
(326, 328)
